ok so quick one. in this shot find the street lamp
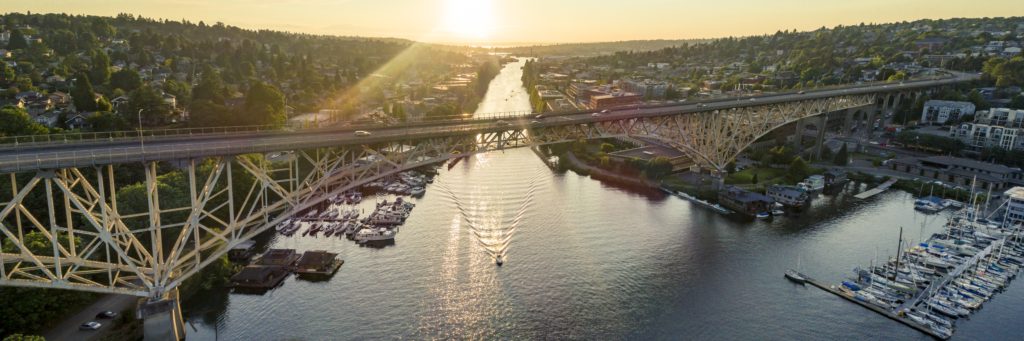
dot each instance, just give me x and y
(142, 144)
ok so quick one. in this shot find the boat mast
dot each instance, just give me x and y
(899, 245)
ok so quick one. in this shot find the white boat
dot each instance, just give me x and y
(417, 190)
(814, 183)
(375, 234)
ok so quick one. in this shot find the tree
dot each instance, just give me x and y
(979, 101)
(107, 121)
(264, 105)
(82, 94)
(23, 337)
(103, 104)
(210, 87)
(17, 41)
(842, 157)
(151, 103)
(1017, 102)
(753, 179)
(798, 169)
(16, 122)
(659, 167)
(125, 79)
(607, 147)
(100, 70)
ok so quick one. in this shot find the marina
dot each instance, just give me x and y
(930, 285)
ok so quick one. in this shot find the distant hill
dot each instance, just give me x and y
(595, 49)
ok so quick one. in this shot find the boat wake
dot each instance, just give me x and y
(494, 211)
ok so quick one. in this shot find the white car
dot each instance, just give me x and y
(362, 133)
(605, 111)
(596, 114)
(91, 325)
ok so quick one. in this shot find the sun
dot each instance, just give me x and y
(469, 19)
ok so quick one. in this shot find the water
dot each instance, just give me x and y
(588, 260)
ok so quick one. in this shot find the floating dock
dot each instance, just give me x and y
(872, 192)
(883, 312)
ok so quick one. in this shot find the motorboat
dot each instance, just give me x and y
(498, 260)
(375, 234)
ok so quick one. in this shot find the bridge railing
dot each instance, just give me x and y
(57, 159)
(13, 142)
(151, 134)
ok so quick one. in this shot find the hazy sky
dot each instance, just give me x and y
(504, 21)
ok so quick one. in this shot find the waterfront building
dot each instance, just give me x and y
(941, 112)
(618, 99)
(1015, 205)
(791, 196)
(835, 177)
(960, 171)
(743, 201)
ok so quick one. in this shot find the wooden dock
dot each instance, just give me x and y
(872, 192)
(883, 312)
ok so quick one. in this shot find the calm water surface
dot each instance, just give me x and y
(588, 260)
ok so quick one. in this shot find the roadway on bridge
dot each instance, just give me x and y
(87, 153)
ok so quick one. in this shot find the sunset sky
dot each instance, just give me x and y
(530, 21)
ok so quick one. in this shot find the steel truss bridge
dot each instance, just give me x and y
(92, 242)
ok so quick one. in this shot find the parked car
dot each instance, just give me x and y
(91, 325)
(362, 133)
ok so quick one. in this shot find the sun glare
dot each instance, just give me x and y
(469, 19)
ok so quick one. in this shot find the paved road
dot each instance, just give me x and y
(68, 329)
(85, 153)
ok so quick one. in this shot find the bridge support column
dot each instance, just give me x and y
(848, 121)
(798, 137)
(819, 141)
(161, 318)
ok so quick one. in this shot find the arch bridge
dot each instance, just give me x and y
(100, 235)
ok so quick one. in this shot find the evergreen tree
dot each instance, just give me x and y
(17, 41)
(82, 94)
(100, 70)
(753, 179)
(125, 79)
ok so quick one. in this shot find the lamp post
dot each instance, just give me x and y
(142, 144)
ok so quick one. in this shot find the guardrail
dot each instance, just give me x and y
(16, 142)
(76, 158)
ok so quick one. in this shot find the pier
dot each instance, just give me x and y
(956, 272)
(883, 312)
(872, 192)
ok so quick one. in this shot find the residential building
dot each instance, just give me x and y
(995, 128)
(960, 171)
(984, 136)
(942, 112)
(1010, 118)
(1015, 206)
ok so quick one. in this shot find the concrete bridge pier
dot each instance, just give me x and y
(798, 136)
(848, 121)
(819, 140)
(161, 318)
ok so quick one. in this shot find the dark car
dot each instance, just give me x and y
(106, 315)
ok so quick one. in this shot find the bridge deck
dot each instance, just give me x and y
(87, 153)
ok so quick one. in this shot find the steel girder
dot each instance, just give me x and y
(84, 238)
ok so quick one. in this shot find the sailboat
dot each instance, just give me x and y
(796, 276)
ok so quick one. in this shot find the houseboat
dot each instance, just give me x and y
(790, 196)
(744, 202)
